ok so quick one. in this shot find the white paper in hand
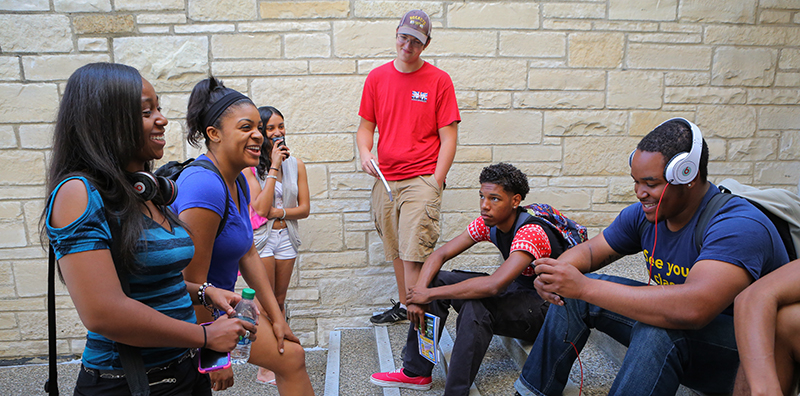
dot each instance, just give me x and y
(383, 179)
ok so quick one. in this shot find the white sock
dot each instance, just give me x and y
(402, 306)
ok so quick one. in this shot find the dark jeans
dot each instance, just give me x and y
(516, 312)
(658, 360)
(182, 379)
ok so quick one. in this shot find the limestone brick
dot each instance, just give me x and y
(565, 199)
(8, 321)
(308, 45)
(395, 9)
(35, 33)
(626, 26)
(774, 16)
(750, 35)
(773, 96)
(687, 79)
(22, 167)
(161, 18)
(317, 180)
(27, 102)
(526, 153)
(484, 74)
(790, 59)
(473, 154)
(283, 26)
(7, 138)
(35, 136)
(91, 44)
(176, 63)
(789, 146)
(494, 100)
(752, 150)
(352, 181)
(205, 28)
(464, 175)
(597, 50)
(28, 277)
(467, 100)
(321, 233)
(331, 66)
(777, 173)
(779, 117)
(12, 233)
(634, 89)
(584, 123)
(794, 4)
(597, 155)
(650, 10)
(82, 5)
(561, 79)
(10, 211)
(584, 181)
(347, 259)
(103, 23)
(255, 45)
(25, 5)
(259, 68)
(364, 39)
(670, 38)
(566, 24)
(678, 27)
(574, 10)
(500, 127)
(9, 68)
(642, 122)
(735, 11)
(462, 43)
(726, 121)
(304, 9)
(657, 56)
(154, 30)
(559, 100)
(502, 15)
(705, 95)
(744, 66)
(148, 5)
(540, 169)
(730, 168)
(222, 10)
(334, 109)
(57, 67)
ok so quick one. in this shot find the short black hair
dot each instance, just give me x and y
(507, 176)
(672, 138)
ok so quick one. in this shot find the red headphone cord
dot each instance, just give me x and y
(655, 239)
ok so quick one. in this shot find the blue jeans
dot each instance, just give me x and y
(658, 360)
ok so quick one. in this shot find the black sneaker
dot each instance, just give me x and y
(393, 315)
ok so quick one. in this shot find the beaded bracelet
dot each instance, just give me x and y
(201, 294)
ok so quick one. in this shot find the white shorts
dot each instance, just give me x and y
(277, 244)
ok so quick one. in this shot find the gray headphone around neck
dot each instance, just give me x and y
(683, 167)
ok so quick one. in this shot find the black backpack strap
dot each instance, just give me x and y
(714, 205)
(51, 384)
(521, 219)
(210, 166)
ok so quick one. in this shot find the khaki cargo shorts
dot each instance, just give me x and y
(409, 226)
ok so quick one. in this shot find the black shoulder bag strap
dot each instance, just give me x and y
(129, 356)
(51, 384)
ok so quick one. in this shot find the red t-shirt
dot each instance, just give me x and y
(530, 238)
(409, 109)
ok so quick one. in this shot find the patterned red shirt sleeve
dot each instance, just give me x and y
(532, 239)
(478, 230)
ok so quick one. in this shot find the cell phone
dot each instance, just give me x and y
(279, 140)
(211, 360)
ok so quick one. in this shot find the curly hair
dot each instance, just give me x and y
(672, 138)
(507, 176)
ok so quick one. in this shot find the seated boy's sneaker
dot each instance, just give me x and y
(392, 315)
(398, 379)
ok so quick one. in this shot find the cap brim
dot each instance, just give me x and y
(414, 32)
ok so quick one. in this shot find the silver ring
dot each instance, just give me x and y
(247, 334)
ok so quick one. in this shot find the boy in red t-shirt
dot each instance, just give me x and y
(413, 105)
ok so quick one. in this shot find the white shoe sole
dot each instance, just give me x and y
(393, 384)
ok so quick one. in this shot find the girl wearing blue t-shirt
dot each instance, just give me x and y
(227, 123)
(109, 128)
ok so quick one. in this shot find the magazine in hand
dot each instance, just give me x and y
(428, 339)
(383, 179)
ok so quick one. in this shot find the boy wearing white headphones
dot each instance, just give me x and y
(679, 327)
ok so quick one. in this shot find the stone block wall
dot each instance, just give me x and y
(563, 89)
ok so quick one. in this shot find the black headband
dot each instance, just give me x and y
(221, 105)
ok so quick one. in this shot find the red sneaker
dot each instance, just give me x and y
(398, 379)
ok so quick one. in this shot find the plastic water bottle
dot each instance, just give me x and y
(245, 310)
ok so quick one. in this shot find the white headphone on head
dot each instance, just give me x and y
(683, 167)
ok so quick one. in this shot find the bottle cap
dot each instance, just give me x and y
(248, 293)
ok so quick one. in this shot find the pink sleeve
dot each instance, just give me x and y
(478, 230)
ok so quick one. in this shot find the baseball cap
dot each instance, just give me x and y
(416, 23)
